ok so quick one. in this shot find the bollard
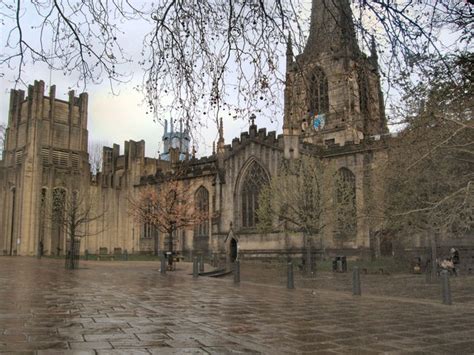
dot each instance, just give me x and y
(195, 268)
(309, 262)
(125, 255)
(163, 266)
(216, 262)
(446, 288)
(428, 274)
(290, 282)
(356, 282)
(237, 272)
(201, 263)
(86, 254)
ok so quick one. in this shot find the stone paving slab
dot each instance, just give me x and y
(129, 308)
(412, 286)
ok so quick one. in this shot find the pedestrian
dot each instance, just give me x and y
(455, 259)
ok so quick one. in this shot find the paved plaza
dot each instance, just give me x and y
(130, 308)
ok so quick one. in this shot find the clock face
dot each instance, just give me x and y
(318, 122)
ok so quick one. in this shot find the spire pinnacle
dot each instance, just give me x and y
(289, 46)
(252, 119)
(374, 58)
(373, 47)
(221, 131)
(332, 29)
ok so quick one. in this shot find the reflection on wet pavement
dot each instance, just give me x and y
(129, 308)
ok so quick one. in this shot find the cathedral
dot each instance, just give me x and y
(334, 112)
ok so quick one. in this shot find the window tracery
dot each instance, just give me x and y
(318, 93)
(345, 205)
(202, 207)
(253, 182)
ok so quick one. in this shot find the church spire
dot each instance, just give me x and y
(332, 29)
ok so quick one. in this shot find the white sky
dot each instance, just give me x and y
(119, 117)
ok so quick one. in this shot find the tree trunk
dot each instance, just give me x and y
(156, 250)
(70, 255)
(170, 249)
(308, 258)
(434, 264)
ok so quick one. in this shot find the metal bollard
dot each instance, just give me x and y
(237, 271)
(125, 255)
(446, 288)
(195, 268)
(428, 274)
(356, 282)
(290, 282)
(201, 263)
(309, 262)
(163, 266)
(86, 254)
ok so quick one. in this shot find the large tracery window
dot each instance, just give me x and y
(318, 92)
(147, 229)
(202, 207)
(58, 211)
(252, 184)
(345, 206)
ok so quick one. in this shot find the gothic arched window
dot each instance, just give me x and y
(201, 199)
(148, 229)
(58, 213)
(255, 178)
(345, 205)
(318, 92)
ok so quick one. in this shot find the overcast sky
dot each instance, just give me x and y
(119, 117)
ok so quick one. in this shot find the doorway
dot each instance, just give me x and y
(233, 250)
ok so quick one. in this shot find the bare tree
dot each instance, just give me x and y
(430, 172)
(72, 213)
(300, 199)
(168, 206)
(95, 150)
(213, 56)
(344, 207)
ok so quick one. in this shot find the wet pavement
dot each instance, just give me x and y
(404, 285)
(129, 308)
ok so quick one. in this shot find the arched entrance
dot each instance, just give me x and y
(233, 250)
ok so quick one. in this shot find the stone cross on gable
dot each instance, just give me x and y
(252, 119)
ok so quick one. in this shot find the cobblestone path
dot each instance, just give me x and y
(129, 308)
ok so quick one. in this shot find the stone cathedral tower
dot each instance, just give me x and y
(332, 93)
(45, 151)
